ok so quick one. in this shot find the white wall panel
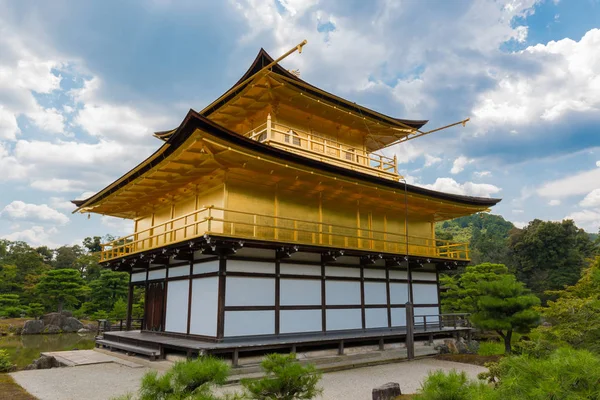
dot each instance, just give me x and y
(427, 311)
(298, 292)
(376, 318)
(205, 301)
(341, 271)
(374, 273)
(246, 323)
(205, 267)
(299, 269)
(293, 321)
(138, 277)
(397, 274)
(183, 270)
(424, 276)
(398, 317)
(242, 291)
(375, 293)
(342, 293)
(177, 306)
(157, 274)
(398, 293)
(425, 293)
(251, 266)
(344, 319)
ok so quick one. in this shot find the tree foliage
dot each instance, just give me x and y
(109, 288)
(285, 379)
(452, 386)
(504, 306)
(550, 255)
(461, 292)
(61, 287)
(574, 317)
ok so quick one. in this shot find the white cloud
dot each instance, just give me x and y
(554, 202)
(568, 80)
(518, 211)
(48, 119)
(519, 224)
(592, 199)
(58, 185)
(61, 203)
(459, 164)
(482, 174)
(577, 184)
(10, 166)
(586, 219)
(449, 185)
(19, 210)
(9, 129)
(35, 236)
(598, 163)
(117, 225)
(430, 160)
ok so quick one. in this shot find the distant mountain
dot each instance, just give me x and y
(487, 235)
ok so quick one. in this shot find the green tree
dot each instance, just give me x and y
(66, 256)
(9, 282)
(574, 317)
(461, 292)
(61, 287)
(108, 288)
(92, 244)
(119, 310)
(549, 255)
(506, 306)
(285, 379)
(452, 385)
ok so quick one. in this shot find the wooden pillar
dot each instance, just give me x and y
(129, 305)
(221, 298)
(410, 331)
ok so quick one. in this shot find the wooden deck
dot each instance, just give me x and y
(234, 346)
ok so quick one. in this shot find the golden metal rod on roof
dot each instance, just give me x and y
(297, 48)
(406, 139)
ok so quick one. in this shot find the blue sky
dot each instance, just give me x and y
(84, 84)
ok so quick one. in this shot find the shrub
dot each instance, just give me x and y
(35, 310)
(12, 312)
(285, 379)
(452, 386)
(565, 374)
(186, 379)
(5, 364)
(490, 348)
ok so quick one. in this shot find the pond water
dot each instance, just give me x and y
(24, 349)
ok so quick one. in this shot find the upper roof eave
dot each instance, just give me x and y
(195, 120)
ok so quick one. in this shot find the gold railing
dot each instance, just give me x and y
(326, 150)
(219, 221)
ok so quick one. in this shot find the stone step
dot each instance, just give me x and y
(146, 351)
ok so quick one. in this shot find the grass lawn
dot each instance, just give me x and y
(10, 390)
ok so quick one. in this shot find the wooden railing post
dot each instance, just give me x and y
(269, 130)
(410, 331)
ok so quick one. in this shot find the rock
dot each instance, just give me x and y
(44, 362)
(83, 330)
(442, 349)
(90, 327)
(451, 344)
(50, 329)
(473, 346)
(461, 346)
(54, 318)
(389, 391)
(71, 324)
(33, 327)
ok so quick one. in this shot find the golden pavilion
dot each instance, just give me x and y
(271, 219)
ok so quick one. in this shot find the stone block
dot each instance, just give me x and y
(389, 391)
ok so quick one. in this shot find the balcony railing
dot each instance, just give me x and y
(219, 221)
(327, 150)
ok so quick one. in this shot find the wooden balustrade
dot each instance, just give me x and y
(327, 150)
(241, 224)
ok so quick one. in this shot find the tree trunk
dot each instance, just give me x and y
(60, 306)
(507, 339)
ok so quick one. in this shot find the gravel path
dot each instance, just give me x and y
(103, 381)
